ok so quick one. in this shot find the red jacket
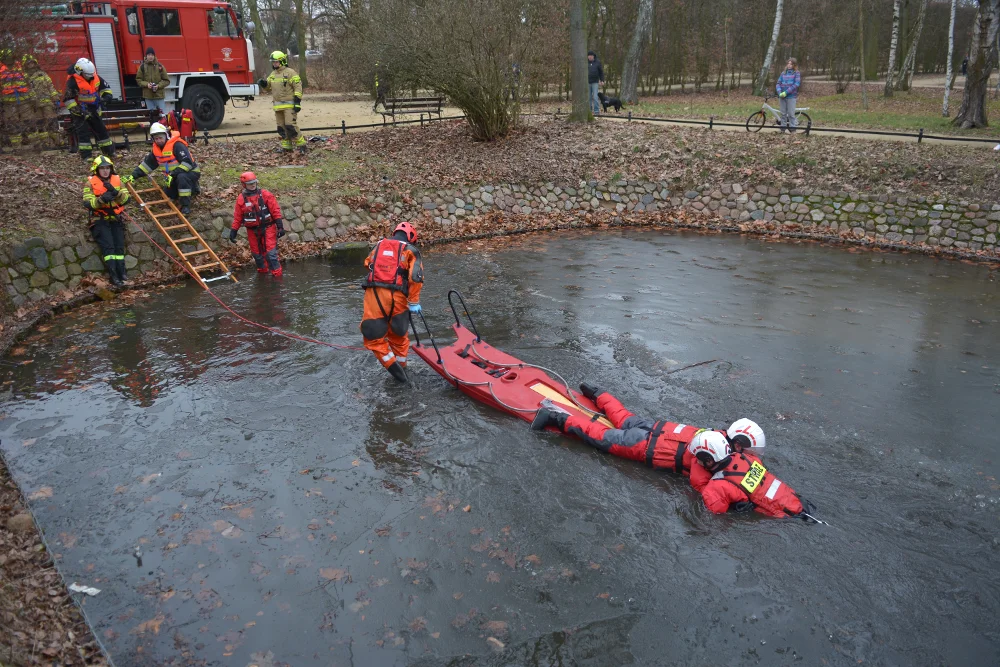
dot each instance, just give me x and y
(726, 488)
(259, 209)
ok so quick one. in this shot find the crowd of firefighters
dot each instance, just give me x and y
(29, 117)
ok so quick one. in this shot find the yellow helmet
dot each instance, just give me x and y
(101, 161)
(280, 57)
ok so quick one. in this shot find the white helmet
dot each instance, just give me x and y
(746, 433)
(85, 67)
(158, 128)
(710, 448)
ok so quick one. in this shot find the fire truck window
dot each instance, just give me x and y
(133, 21)
(221, 25)
(161, 21)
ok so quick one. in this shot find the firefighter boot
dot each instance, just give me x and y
(185, 204)
(549, 415)
(302, 149)
(122, 272)
(112, 266)
(396, 371)
(278, 272)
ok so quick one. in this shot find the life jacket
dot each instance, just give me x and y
(87, 92)
(165, 156)
(769, 494)
(13, 84)
(256, 214)
(386, 269)
(182, 123)
(98, 188)
(667, 446)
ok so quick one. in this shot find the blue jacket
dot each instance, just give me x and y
(789, 82)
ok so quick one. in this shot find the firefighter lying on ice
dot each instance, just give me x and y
(720, 464)
(392, 292)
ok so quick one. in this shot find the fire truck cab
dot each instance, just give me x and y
(200, 43)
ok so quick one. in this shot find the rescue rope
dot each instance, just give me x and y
(273, 330)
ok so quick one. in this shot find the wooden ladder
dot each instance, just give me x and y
(171, 214)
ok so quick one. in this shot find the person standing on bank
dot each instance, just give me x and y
(788, 86)
(105, 197)
(152, 77)
(595, 77)
(286, 100)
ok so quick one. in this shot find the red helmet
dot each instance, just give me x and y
(248, 178)
(407, 228)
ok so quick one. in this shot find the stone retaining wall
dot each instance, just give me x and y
(43, 266)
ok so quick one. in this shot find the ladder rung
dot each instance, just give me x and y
(196, 252)
(164, 215)
(153, 203)
(166, 229)
(186, 240)
(139, 192)
(204, 266)
(212, 280)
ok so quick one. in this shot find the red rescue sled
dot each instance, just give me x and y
(496, 378)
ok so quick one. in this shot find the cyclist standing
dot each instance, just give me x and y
(788, 86)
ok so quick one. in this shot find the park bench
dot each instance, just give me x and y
(116, 120)
(397, 106)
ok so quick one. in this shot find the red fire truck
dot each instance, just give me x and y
(200, 43)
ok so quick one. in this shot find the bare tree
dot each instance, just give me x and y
(630, 73)
(861, 48)
(893, 45)
(982, 59)
(906, 74)
(951, 57)
(766, 67)
(300, 34)
(578, 53)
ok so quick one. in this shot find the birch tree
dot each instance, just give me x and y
(578, 53)
(630, 73)
(910, 64)
(982, 59)
(766, 67)
(951, 57)
(893, 45)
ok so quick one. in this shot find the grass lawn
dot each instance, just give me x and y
(904, 112)
(334, 170)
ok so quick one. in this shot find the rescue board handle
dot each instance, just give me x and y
(413, 325)
(465, 309)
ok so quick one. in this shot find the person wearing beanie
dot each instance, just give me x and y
(153, 79)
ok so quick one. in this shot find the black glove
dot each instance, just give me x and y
(281, 227)
(109, 195)
(262, 83)
(296, 104)
(807, 507)
(590, 391)
(137, 173)
(742, 508)
(232, 235)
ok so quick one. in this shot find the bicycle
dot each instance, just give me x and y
(758, 119)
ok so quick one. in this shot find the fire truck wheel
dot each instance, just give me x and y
(207, 105)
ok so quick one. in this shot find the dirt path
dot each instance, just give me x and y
(317, 111)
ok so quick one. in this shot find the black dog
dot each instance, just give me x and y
(610, 102)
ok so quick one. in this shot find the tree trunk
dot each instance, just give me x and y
(861, 48)
(766, 67)
(893, 45)
(630, 73)
(300, 33)
(906, 74)
(578, 53)
(258, 35)
(951, 57)
(982, 57)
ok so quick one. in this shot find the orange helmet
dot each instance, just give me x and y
(248, 179)
(407, 228)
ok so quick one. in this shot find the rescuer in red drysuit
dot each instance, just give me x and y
(392, 291)
(257, 210)
(737, 481)
(663, 445)
(712, 459)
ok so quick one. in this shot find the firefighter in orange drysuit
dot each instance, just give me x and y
(706, 456)
(392, 292)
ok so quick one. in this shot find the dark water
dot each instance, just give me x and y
(292, 505)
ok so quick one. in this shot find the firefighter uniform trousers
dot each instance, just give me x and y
(109, 234)
(386, 335)
(264, 248)
(87, 127)
(288, 128)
